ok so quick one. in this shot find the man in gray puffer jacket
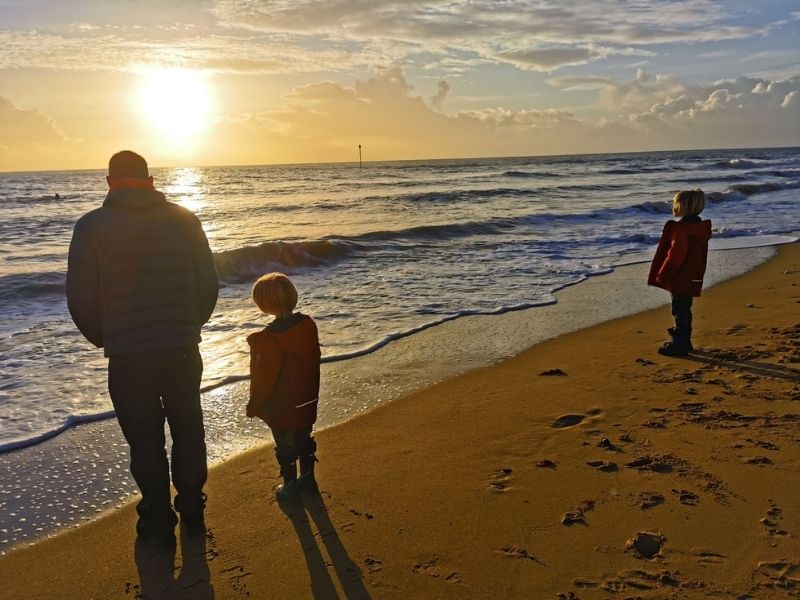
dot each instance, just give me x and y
(141, 283)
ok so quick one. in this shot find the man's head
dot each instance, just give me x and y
(128, 169)
(127, 165)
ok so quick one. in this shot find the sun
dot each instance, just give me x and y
(176, 104)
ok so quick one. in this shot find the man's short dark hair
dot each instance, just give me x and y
(126, 165)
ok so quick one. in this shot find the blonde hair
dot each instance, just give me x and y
(275, 294)
(689, 202)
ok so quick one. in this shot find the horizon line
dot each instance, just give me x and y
(408, 160)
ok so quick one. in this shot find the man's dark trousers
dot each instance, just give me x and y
(146, 388)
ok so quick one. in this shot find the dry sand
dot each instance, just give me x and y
(587, 467)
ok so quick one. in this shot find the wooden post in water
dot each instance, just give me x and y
(360, 165)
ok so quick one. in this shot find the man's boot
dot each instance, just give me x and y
(192, 513)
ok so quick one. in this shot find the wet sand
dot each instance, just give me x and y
(586, 467)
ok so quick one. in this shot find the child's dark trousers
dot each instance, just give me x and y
(291, 445)
(682, 313)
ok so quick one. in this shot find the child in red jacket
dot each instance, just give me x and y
(284, 382)
(679, 266)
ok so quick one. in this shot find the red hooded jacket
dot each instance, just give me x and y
(284, 374)
(680, 260)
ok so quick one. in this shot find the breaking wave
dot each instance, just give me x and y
(737, 163)
(759, 188)
(530, 174)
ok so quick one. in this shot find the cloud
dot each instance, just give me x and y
(26, 128)
(443, 89)
(278, 36)
(326, 121)
(27, 136)
(551, 20)
(639, 93)
(739, 112)
(110, 49)
(549, 59)
(489, 27)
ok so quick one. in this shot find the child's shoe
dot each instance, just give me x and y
(287, 492)
(671, 331)
(678, 346)
(306, 482)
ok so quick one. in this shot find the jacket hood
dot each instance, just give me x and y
(299, 338)
(700, 230)
(132, 198)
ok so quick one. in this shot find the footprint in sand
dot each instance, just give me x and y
(686, 497)
(781, 574)
(553, 373)
(606, 444)
(431, 568)
(637, 579)
(736, 329)
(605, 466)
(521, 553)
(658, 464)
(763, 444)
(236, 576)
(650, 499)
(760, 461)
(373, 563)
(567, 421)
(577, 514)
(571, 420)
(646, 544)
(707, 556)
(500, 480)
(772, 521)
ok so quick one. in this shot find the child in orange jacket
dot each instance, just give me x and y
(679, 266)
(284, 382)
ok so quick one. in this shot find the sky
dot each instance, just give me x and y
(222, 82)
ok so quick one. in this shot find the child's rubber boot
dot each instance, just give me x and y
(306, 482)
(288, 490)
(671, 332)
(678, 346)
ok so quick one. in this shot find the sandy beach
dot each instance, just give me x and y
(586, 467)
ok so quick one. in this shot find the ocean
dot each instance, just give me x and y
(377, 253)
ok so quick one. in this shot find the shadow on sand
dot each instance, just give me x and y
(157, 570)
(310, 509)
(729, 360)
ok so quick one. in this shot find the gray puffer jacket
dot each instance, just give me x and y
(141, 275)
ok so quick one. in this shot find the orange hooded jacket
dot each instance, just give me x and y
(680, 261)
(284, 375)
